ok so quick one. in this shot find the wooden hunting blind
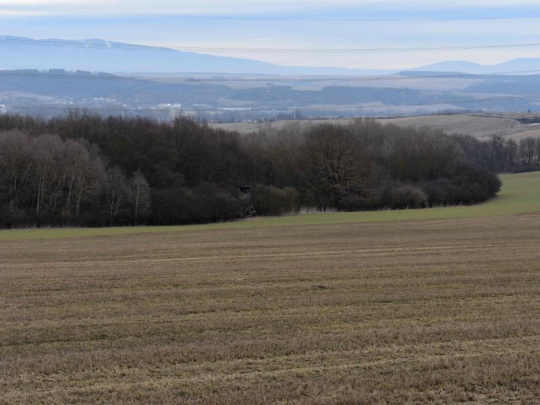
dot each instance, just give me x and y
(248, 207)
(245, 190)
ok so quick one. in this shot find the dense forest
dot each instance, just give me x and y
(82, 169)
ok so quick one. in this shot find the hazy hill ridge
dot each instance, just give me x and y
(108, 56)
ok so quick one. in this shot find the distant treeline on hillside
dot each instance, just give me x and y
(85, 170)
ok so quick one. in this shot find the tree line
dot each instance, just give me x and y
(500, 154)
(85, 170)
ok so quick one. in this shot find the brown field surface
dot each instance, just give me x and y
(425, 311)
(481, 127)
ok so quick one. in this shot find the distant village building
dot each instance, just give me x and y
(172, 110)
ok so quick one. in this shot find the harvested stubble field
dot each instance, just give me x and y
(481, 127)
(419, 311)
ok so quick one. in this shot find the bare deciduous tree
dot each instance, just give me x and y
(138, 196)
(116, 192)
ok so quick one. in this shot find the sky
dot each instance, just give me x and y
(390, 34)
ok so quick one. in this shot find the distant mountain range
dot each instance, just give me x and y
(513, 67)
(103, 56)
(48, 77)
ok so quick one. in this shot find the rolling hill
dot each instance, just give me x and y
(98, 55)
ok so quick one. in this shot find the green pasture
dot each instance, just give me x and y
(520, 194)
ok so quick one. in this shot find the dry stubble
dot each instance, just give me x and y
(427, 311)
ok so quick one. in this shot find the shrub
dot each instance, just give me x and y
(172, 206)
(212, 204)
(270, 200)
(407, 196)
(207, 203)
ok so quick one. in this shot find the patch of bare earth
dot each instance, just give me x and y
(406, 312)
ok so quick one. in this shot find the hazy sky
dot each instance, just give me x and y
(372, 31)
